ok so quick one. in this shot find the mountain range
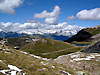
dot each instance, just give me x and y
(50, 36)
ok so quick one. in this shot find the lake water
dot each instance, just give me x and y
(80, 44)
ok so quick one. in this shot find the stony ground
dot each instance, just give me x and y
(84, 62)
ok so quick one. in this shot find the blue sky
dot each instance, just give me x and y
(68, 8)
(65, 17)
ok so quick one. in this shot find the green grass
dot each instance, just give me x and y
(93, 31)
(49, 46)
(21, 41)
(55, 55)
(12, 42)
(3, 66)
(28, 64)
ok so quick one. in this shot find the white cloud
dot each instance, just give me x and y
(93, 14)
(32, 21)
(51, 20)
(7, 6)
(70, 17)
(46, 14)
(50, 25)
(39, 28)
(50, 17)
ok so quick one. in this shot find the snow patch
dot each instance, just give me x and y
(43, 63)
(14, 68)
(62, 56)
(53, 66)
(91, 56)
(4, 71)
(1, 61)
(13, 72)
(38, 57)
(97, 55)
(75, 56)
(24, 52)
(87, 58)
(78, 59)
(71, 60)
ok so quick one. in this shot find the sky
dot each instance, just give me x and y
(41, 15)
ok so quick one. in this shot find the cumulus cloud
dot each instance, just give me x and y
(16, 27)
(71, 17)
(46, 14)
(7, 6)
(39, 28)
(32, 21)
(93, 14)
(49, 25)
(50, 17)
(51, 20)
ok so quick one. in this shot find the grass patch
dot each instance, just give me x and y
(55, 55)
(93, 31)
(12, 42)
(28, 64)
(46, 46)
(3, 66)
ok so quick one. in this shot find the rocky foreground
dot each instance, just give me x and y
(82, 62)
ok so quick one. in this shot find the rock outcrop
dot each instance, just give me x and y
(93, 49)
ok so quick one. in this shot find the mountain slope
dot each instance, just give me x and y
(43, 48)
(21, 41)
(82, 35)
(55, 37)
(10, 34)
(18, 35)
(85, 34)
(13, 62)
(95, 48)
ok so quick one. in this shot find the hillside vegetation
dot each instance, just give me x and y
(29, 64)
(50, 48)
(12, 42)
(86, 36)
(21, 41)
(93, 31)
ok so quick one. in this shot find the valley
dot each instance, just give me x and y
(35, 55)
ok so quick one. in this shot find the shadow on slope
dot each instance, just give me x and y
(93, 48)
(82, 35)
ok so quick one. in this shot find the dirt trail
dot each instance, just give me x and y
(58, 51)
